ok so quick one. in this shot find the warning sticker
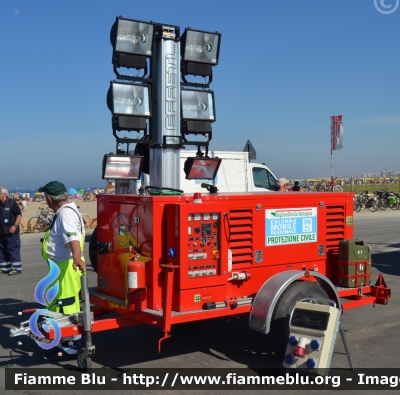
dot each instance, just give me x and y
(290, 226)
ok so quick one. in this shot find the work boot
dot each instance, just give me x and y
(14, 272)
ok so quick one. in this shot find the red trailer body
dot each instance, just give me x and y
(210, 259)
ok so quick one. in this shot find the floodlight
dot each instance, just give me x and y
(130, 105)
(132, 43)
(122, 167)
(201, 168)
(198, 105)
(134, 37)
(202, 47)
(200, 52)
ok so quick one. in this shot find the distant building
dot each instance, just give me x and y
(385, 173)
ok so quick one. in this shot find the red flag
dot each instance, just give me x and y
(336, 132)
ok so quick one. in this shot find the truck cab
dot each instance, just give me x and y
(236, 174)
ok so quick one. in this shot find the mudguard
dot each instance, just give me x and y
(270, 292)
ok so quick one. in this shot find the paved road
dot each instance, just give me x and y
(372, 333)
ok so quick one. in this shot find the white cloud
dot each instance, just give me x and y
(16, 11)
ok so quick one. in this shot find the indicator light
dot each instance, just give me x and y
(171, 252)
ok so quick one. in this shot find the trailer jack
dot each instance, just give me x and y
(86, 353)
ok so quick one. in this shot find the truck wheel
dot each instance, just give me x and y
(93, 250)
(280, 319)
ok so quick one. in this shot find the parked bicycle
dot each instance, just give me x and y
(42, 221)
(328, 186)
(86, 219)
(387, 199)
(364, 201)
(394, 201)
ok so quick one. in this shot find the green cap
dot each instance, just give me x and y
(53, 188)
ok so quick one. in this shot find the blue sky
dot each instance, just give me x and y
(285, 67)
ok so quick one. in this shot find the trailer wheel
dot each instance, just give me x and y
(85, 364)
(280, 319)
(93, 250)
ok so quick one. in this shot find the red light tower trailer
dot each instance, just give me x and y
(164, 259)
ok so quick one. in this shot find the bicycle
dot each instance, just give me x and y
(41, 222)
(366, 202)
(394, 201)
(382, 199)
(86, 219)
(333, 186)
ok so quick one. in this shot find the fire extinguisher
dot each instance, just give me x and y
(136, 274)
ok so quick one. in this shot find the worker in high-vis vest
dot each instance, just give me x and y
(63, 244)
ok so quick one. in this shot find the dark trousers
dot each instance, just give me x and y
(10, 252)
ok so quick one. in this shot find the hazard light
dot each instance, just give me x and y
(201, 168)
(122, 167)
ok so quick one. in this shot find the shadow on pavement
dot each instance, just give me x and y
(387, 262)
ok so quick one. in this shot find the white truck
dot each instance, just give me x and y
(235, 174)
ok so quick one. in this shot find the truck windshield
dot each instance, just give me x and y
(263, 179)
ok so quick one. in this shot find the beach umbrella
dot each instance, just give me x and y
(81, 191)
(38, 193)
(71, 191)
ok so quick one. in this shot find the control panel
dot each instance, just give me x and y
(313, 332)
(203, 239)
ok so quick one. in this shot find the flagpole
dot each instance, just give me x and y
(331, 150)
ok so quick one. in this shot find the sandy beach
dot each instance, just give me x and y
(89, 208)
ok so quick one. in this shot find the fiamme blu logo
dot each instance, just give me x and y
(45, 293)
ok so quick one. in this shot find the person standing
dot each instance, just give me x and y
(63, 244)
(283, 184)
(10, 242)
(296, 187)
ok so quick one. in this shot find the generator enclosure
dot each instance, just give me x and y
(221, 250)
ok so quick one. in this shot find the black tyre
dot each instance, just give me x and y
(283, 309)
(358, 206)
(86, 220)
(85, 364)
(40, 226)
(381, 204)
(372, 205)
(32, 223)
(93, 250)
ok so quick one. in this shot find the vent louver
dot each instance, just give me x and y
(241, 236)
